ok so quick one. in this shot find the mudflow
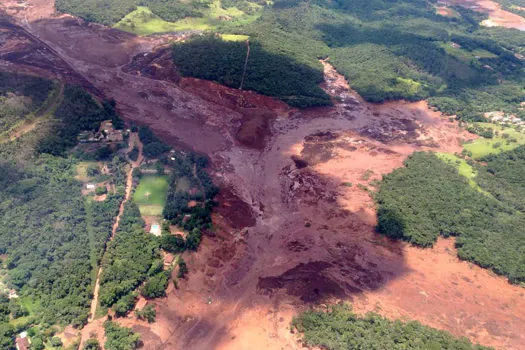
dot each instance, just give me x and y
(290, 231)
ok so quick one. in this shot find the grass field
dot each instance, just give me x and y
(234, 37)
(144, 22)
(464, 169)
(484, 146)
(466, 55)
(82, 168)
(150, 194)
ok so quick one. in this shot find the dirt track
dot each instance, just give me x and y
(310, 238)
(94, 327)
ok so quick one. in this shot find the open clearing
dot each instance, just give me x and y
(144, 22)
(150, 194)
(286, 235)
(82, 169)
(464, 169)
(499, 143)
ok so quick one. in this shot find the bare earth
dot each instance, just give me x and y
(497, 16)
(289, 232)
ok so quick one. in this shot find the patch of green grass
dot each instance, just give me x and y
(150, 194)
(464, 169)
(466, 55)
(216, 11)
(144, 22)
(366, 176)
(21, 322)
(31, 305)
(485, 146)
(234, 37)
(82, 168)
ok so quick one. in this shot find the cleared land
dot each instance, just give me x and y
(499, 143)
(464, 169)
(143, 21)
(150, 194)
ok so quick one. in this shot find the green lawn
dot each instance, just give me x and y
(466, 55)
(82, 168)
(464, 169)
(150, 194)
(234, 37)
(483, 146)
(144, 22)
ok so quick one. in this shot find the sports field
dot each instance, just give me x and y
(150, 194)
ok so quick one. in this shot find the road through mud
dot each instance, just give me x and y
(295, 225)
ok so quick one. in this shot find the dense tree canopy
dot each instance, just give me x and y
(340, 329)
(428, 197)
(120, 338)
(128, 259)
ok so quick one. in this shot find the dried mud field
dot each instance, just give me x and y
(497, 17)
(291, 232)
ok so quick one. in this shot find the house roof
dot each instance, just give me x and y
(22, 343)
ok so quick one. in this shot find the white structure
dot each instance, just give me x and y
(155, 230)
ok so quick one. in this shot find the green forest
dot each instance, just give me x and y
(271, 74)
(130, 258)
(52, 237)
(388, 50)
(428, 197)
(21, 96)
(341, 329)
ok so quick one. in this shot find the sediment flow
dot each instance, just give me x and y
(290, 231)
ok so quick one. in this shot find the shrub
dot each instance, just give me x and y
(101, 190)
(148, 313)
(155, 286)
(183, 268)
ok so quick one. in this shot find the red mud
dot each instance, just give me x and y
(497, 16)
(310, 237)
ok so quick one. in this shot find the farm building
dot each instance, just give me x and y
(110, 134)
(168, 260)
(22, 342)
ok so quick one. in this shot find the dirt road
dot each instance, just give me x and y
(290, 231)
(96, 329)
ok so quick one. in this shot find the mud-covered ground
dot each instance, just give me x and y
(295, 225)
(497, 17)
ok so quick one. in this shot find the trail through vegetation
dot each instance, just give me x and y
(134, 141)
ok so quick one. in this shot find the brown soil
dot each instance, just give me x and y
(288, 233)
(497, 16)
(445, 11)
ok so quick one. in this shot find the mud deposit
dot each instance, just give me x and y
(497, 16)
(295, 225)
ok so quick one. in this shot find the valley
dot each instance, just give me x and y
(295, 224)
